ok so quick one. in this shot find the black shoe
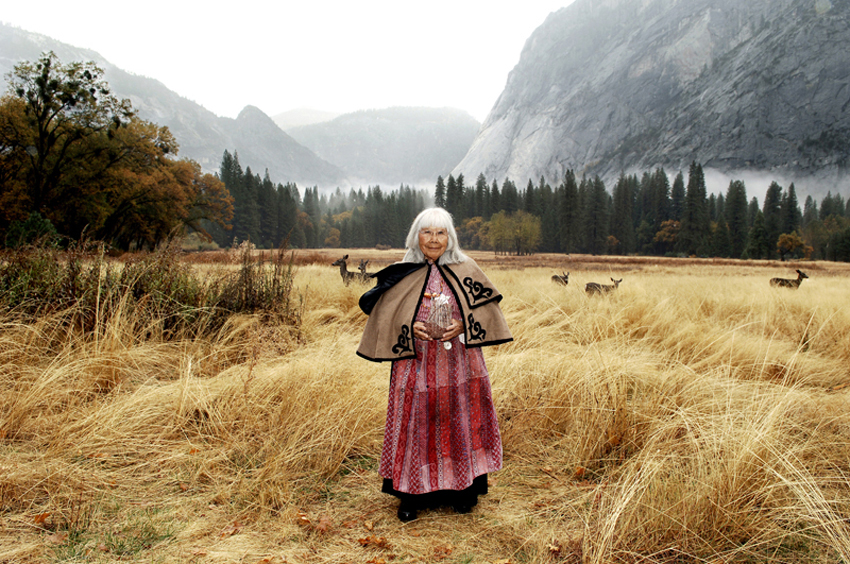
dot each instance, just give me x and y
(406, 513)
(462, 508)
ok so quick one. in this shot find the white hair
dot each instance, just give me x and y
(433, 217)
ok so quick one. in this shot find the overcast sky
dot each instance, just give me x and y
(333, 55)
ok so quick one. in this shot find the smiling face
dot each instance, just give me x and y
(433, 242)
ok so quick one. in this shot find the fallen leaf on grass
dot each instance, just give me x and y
(324, 525)
(376, 560)
(184, 487)
(303, 520)
(369, 525)
(58, 538)
(40, 518)
(373, 541)
(230, 530)
(441, 552)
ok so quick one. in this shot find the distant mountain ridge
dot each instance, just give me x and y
(202, 135)
(302, 116)
(605, 86)
(393, 145)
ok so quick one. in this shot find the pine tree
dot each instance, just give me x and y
(268, 213)
(721, 245)
(792, 217)
(677, 198)
(759, 244)
(736, 212)
(772, 211)
(596, 216)
(810, 211)
(440, 193)
(695, 227)
(454, 195)
(482, 193)
(569, 213)
(495, 204)
(622, 223)
(752, 211)
(510, 197)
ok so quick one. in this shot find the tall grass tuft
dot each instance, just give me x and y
(158, 289)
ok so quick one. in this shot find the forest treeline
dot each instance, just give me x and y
(644, 214)
(77, 162)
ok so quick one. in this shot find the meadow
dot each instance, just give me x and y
(694, 415)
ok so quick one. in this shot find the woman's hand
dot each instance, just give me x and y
(452, 331)
(420, 331)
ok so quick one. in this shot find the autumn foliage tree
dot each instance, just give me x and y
(73, 152)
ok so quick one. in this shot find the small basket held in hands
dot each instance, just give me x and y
(439, 318)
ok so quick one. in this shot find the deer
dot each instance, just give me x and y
(363, 276)
(787, 282)
(343, 270)
(593, 288)
(563, 278)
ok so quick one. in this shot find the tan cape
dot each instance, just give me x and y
(389, 330)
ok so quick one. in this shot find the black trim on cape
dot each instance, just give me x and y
(387, 278)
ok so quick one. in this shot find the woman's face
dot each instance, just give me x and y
(433, 242)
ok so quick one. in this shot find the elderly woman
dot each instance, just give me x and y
(430, 315)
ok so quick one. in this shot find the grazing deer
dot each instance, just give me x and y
(343, 270)
(363, 276)
(596, 288)
(787, 282)
(563, 278)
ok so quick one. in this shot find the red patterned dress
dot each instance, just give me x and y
(441, 437)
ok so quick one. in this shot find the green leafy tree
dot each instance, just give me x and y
(66, 107)
(77, 155)
(788, 243)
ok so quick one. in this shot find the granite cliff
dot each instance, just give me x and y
(605, 86)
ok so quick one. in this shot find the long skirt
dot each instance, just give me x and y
(441, 437)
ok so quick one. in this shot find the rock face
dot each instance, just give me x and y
(202, 135)
(605, 86)
(394, 145)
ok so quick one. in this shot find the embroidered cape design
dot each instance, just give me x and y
(393, 303)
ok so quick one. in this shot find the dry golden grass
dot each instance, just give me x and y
(694, 415)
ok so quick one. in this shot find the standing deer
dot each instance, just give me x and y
(596, 288)
(363, 276)
(563, 278)
(787, 282)
(343, 270)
